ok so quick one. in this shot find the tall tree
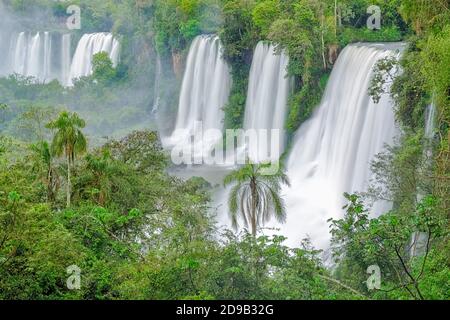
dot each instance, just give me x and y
(44, 157)
(69, 141)
(255, 196)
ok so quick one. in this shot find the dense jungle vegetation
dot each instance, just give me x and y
(83, 176)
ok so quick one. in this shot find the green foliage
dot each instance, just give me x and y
(400, 172)
(359, 242)
(264, 13)
(386, 34)
(103, 70)
(177, 22)
(303, 103)
(436, 59)
(235, 107)
(237, 34)
(304, 32)
(151, 236)
(383, 70)
(3, 108)
(68, 139)
(255, 196)
(239, 37)
(425, 16)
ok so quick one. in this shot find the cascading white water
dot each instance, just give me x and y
(66, 59)
(18, 53)
(332, 151)
(30, 55)
(42, 55)
(156, 90)
(35, 63)
(47, 56)
(268, 91)
(430, 123)
(204, 92)
(88, 46)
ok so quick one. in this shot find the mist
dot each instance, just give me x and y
(110, 110)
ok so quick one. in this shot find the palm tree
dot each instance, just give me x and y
(68, 141)
(255, 196)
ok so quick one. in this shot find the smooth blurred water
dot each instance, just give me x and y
(333, 150)
(47, 56)
(33, 55)
(204, 92)
(268, 92)
(88, 46)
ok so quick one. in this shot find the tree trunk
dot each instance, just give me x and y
(254, 204)
(68, 182)
(323, 41)
(323, 53)
(50, 194)
(335, 18)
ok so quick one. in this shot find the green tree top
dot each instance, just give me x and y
(255, 196)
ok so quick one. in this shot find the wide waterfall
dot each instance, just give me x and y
(88, 46)
(37, 55)
(204, 92)
(332, 151)
(268, 91)
(47, 56)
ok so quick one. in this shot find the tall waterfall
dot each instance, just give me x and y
(157, 84)
(33, 55)
(204, 92)
(88, 46)
(268, 91)
(332, 151)
(430, 122)
(66, 58)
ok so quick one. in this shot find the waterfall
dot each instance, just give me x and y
(157, 84)
(204, 92)
(430, 121)
(88, 46)
(19, 53)
(66, 59)
(419, 240)
(268, 91)
(34, 63)
(47, 56)
(332, 151)
(33, 55)
(30, 55)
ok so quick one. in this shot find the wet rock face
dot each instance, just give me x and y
(333, 52)
(177, 61)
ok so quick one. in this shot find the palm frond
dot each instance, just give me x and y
(268, 202)
(279, 207)
(235, 197)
